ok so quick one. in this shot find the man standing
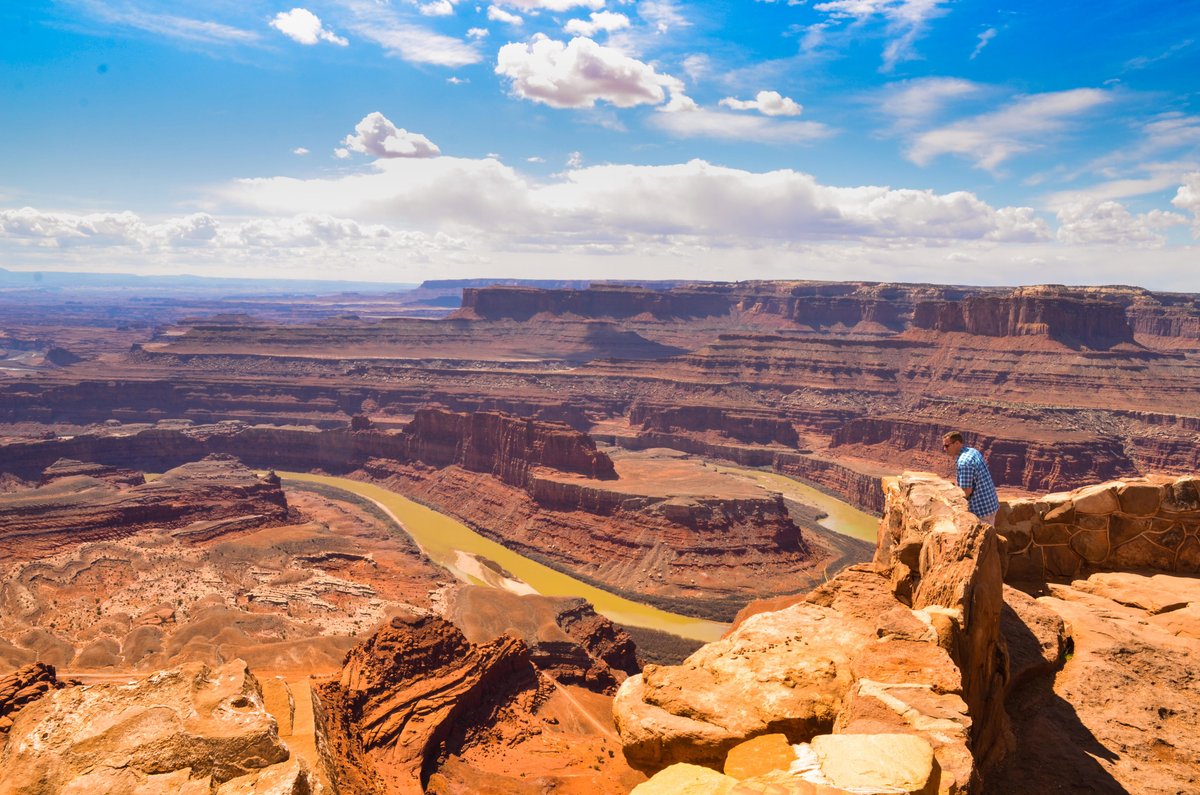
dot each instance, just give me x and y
(973, 477)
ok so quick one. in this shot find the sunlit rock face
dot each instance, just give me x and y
(191, 729)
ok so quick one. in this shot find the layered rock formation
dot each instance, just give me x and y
(734, 365)
(541, 488)
(418, 705)
(81, 508)
(286, 595)
(22, 687)
(567, 640)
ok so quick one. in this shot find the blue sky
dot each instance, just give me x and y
(906, 140)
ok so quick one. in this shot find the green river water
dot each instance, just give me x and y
(453, 545)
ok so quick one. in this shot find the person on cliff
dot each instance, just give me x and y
(973, 477)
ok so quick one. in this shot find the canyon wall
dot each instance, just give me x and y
(82, 508)
(1069, 319)
(492, 442)
(505, 446)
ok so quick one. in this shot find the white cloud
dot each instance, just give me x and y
(53, 229)
(195, 31)
(916, 102)
(711, 204)
(497, 14)
(906, 22)
(457, 81)
(376, 135)
(663, 15)
(341, 153)
(1161, 177)
(984, 38)
(202, 231)
(684, 118)
(574, 160)
(1021, 126)
(377, 23)
(534, 6)
(436, 8)
(1111, 223)
(768, 103)
(599, 21)
(477, 33)
(697, 66)
(300, 150)
(1187, 198)
(303, 26)
(198, 229)
(580, 73)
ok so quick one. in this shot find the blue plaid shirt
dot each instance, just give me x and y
(973, 474)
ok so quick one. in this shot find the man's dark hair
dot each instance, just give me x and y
(953, 436)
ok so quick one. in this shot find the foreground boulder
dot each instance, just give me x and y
(188, 730)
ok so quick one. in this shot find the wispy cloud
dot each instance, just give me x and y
(1141, 62)
(984, 38)
(188, 29)
(406, 39)
(919, 102)
(1022, 125)
(906, 21)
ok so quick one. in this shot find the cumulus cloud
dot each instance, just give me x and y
(628, 203)
(1021, 126)
(598, 22)
(477, 33)
(1187, 198)
(376, 135)
(300, 150)
(497, 14)
(768, 103)
(303, 26)
(200, 232)
(579, 74)
(1111, 223)
(436, 8)
(52, 229)
(198, 229)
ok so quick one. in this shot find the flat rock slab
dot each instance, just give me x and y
(1158, 593)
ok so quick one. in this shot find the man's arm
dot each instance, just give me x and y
(966, 478)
